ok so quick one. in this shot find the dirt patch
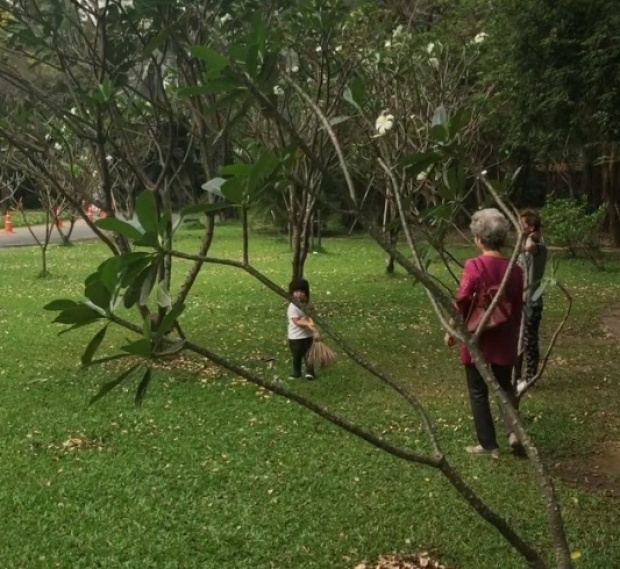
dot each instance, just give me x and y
(611, 320)
(597, 472)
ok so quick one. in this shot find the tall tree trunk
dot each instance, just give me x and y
(611, 194)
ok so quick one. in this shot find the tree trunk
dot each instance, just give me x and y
(611, 194)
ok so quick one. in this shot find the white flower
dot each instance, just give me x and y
(57, 146)
(384, 123)
(277, 90)
(225, 18)
(387, 44)
(481, 37)
(398, 30)
(338, 49)
(430, 48)
(434, 62)
(318, 49)
(295, 69)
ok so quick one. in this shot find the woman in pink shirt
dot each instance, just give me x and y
(499, 345)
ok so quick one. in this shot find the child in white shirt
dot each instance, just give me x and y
(301, 330)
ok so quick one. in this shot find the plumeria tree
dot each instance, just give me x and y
(244, 73)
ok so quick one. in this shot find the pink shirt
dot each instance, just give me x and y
(499, 345)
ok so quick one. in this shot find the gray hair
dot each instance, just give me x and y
(490, 227)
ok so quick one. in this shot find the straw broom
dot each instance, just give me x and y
(319, 354)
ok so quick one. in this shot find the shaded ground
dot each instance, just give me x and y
(598, 471)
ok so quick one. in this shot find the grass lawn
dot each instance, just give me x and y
(215, 473)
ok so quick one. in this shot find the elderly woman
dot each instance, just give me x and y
(498, 345)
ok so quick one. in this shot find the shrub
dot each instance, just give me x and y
(568, 224)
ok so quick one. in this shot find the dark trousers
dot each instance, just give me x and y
(299, 349)
(479, 400)
(531, 348)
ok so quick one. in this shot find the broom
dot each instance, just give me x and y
(319, 354)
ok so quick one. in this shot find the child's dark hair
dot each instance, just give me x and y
(299, 284)
(532, 218)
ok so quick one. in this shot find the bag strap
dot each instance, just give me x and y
(484, 283)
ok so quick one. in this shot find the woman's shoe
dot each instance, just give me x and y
(479, 450)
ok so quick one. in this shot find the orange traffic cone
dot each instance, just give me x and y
(8, 223)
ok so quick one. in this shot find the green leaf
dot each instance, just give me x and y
(146, 210)
(215, 61)
(355, 93)
(168, 321)
(93, 346)
(140, 347)
(234, 190)
(134, 264)
(461, 119)
(108, 359)
(148, 239)
(97, 293)
(420, 162)
(147, 287)
(79, 314)
(142, 387)
(333, 121)
(109, 272)
(61, 304)
(106, 388)
(119, 226)
(134, 288)
(439, 133)
(163, 296)
(237, 169)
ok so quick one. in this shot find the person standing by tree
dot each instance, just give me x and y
(533, 260)
(498, 345)
(301, 330)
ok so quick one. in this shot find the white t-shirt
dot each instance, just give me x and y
(296, 332)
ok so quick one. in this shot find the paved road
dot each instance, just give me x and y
(23, 238)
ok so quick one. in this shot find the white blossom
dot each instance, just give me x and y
(384, 122)
(318, 49)
(57, 146)
(434, 62)
(338, 49)
(277, 90)
(481, 37)
(225, 18)
(387, 44)
(295, 69)
(398, 30)
(430, 48)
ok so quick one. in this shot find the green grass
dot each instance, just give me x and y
(32, 217)
(215, 473)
